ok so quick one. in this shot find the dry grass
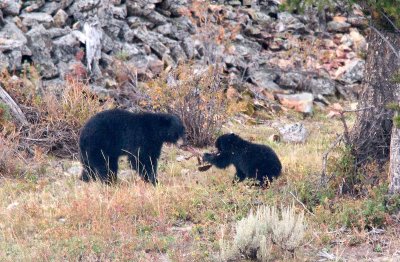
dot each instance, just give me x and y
(52, 216)
(57, 217)
(54, 117)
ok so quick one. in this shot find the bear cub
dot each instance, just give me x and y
(251, 160)
(112, 133)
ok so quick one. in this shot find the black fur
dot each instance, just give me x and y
(113, 133)
(250, 160)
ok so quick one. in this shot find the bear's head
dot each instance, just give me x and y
(172, 129)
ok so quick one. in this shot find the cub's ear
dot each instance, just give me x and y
(232, 135)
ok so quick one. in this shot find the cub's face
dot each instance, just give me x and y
(225, 143)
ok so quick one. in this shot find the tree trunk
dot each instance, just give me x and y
(371, 134)
(394, 168)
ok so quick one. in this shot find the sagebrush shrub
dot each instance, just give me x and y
(256, 234)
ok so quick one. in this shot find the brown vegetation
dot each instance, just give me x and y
(196, 96)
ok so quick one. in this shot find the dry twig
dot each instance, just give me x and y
(301, 203)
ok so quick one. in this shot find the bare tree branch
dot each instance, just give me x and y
(301, 203)
(386, 41)
(391, 22)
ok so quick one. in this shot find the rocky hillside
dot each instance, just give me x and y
(299, 57)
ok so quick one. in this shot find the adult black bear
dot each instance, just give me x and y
(250, 160)
(116, 132)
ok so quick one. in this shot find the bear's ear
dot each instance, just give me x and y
(165, 122)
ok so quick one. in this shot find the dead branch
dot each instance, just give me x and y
(301, 203)
(344, 136)
(390, 21)
(357, 110)
(325, 158)
(15, 110)
(386, 41)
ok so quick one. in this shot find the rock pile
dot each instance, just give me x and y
(259, 47)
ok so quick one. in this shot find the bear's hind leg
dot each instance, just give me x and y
(102, 166)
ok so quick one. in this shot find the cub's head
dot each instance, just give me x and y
(171, 129)
(227, 142)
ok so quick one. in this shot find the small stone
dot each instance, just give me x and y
(15, 59)
(51, 7)
(156, 66)
(359, 42)
(18, 22)
(110, 83)
(274, 138)
(75, 170)
(341, 27)
(35, 6)
(58, 32)
(85, 5)
(12, 206)
(264, 80)
(11, 7)
(339, 19)
(153, 40)
(4, 63)
(352, 72)
(252, 31)
(322, 86)
(346, 40)
(9, 44)
(62, 220)
(247, 2)
(234, 3)
(31, 19)
(156, 18)
(60, 18)
(288, 22)
(164, 29)
(136, 22)
(358, 21)
(119, 12)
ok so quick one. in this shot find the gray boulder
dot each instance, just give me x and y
(309, 82)
(293, 133)
(40, 44)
